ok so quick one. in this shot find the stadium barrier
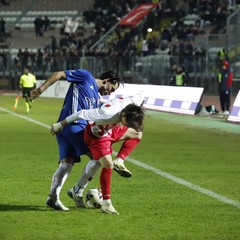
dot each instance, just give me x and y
(234, 115)
(182, 100)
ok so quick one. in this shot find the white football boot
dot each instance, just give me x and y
(120, 168)
(109, 209)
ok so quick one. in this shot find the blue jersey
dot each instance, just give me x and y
(82, 94)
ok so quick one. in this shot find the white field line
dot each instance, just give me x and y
(155, 170)
(186, 183)
(24, 117)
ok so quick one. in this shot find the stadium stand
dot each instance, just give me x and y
(20, 22)
(180, 30)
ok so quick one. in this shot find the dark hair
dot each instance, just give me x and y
(134, 116)
(114, 77)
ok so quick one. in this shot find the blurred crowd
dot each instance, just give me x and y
(177, 38)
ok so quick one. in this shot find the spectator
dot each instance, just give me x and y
(165, 39)
(39, 60)
(152, 46)
(225, 77)
(145, 50)
(2, 27)
(25, 58)
(38, 23)
(53, 44)
(46, 23)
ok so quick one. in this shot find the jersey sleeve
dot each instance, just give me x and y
(230, 79)
(79, 75)
(138, 98)
(107, 111)
(97, 115)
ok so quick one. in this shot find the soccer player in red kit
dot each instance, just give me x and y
(119, 119)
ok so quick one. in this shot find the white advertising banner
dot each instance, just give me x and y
(234, 115)
(57, 90)
(161, 98)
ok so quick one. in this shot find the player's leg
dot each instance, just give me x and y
(68, 157)
(227, 102)
(76, 193)
(131, 139)
(105, 181)
(222, 99)
(58, 179)
(25, 96)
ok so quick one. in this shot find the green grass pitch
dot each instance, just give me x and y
(185, 183)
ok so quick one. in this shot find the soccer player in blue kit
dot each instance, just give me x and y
(83, 93)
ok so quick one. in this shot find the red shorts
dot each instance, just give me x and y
(100, 147)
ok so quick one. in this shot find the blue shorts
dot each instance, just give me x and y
(71, 142)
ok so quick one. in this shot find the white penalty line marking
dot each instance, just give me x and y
(152, 169)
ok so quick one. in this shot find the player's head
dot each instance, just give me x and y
(25, 70)
(133, 116)
(225, 64)
(110, 82)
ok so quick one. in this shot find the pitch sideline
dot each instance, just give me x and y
(152, 169)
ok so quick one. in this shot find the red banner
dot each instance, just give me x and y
(137, 14)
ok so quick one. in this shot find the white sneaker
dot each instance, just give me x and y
(56, 205)
(76, 198)
(120, 168)
(109, 209)
(225, 113)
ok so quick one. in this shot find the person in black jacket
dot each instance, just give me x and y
(225, 77)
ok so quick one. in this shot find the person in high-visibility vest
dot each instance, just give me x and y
(179, 78)
(26, 84)
(225, 77)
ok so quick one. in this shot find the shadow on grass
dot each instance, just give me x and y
(21, 208)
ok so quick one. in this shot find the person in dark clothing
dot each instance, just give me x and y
(225, 77)
(38, 26)
(2, 27)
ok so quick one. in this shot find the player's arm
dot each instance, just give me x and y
(90, 114)
(100, 115)
(51, 80)
(20, 86)
(230, 79)
(138, 99)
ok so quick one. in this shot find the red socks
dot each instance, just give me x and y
(105, 181)
(127, 147)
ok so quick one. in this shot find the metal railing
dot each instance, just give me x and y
(155, 69)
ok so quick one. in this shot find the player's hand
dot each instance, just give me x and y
(227, 92)
(35, 93)
(56, 127)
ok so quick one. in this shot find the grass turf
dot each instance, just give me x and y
(199, 150)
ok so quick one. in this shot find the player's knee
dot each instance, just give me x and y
(106, 162)
(139, 135)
